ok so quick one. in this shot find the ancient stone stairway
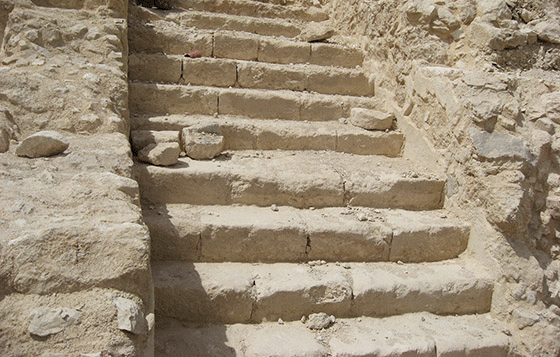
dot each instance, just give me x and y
(302, 213)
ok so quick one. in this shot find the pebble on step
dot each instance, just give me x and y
(371, 119)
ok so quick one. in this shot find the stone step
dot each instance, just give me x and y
(217, 72)
(300, 179)
(225, 22)
(415, 334)
(257, 234)
(173, 39)
(255, 9)
(249, 134)
(251, 293)
(154, 98)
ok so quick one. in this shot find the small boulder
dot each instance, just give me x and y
(130, 317)
(161, 154)
(316, 31)
(371, 119)
(548, 31)
(46, 321)
(319, 321)
(43, 144)
(202, 142)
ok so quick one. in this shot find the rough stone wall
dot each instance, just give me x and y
(479, 80)
(74, 252)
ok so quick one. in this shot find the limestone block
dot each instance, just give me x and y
(282, 51)
(42, 144)
(161, 154)
(130, 317)
(201, 144)
(283, 342)
(333, 55)
(238, 46)
(500, 146)
(319, 321)
(321, 108)
(209, 72)
(487, 35)
(371, 119)
(548, 31)
(340, 82)
(420, 11)
(316, 31)
(260, 104)
(255, 75)
(45, 321)
(498, 8)
(154, 68)
(204, 292)
(172, 99)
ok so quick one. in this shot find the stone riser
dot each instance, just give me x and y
(226, 73)
(277, 178)
(255, 9)
(419, 334)
(241, 46)
(253, 234)
(253, 103)
(247, 134)
(251, 293)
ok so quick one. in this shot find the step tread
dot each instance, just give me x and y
(294, 178)
(411, 334)
(156, 98)
(250, 134)
(221, 72)
(252, 292)
(260, 234)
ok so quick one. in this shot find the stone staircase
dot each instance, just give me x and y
(302, 213)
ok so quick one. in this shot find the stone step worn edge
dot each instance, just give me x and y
(172, 39)
(249, 134)
(251, 293)
(146, 98)
(286, 234)
(216, 72)
(255, 9)
(415, 334)
(300, 179)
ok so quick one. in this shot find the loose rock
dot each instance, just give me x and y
(371, 119)
(45, 321)
(316, 31)
(130, 317)
(320, 321)
(163, 154)
(201, 143)
(43, 144)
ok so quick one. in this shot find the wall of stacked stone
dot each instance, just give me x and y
(74, 251)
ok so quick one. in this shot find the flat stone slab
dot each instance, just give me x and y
(243, 293)
(419, 334)
(300, 179)
(248, 134)
(261, 234)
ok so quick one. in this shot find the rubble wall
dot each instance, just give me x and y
(74, 251)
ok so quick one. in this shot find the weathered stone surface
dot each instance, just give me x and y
(164, 4)
(130, 317)
(548, 31)
(4, 139)
(551, 103)
(43, 143)
(316, 31)
(500, 146)
(46, 321)
(371, 119)
(319, 321)
(201, 143)
(161, 154)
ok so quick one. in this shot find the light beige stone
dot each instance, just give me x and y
(334, 55)
(237, 46)
(161, 154)
(282, 51)
(201, 145)
(316, 31)
(371, 119)
(43, 143)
